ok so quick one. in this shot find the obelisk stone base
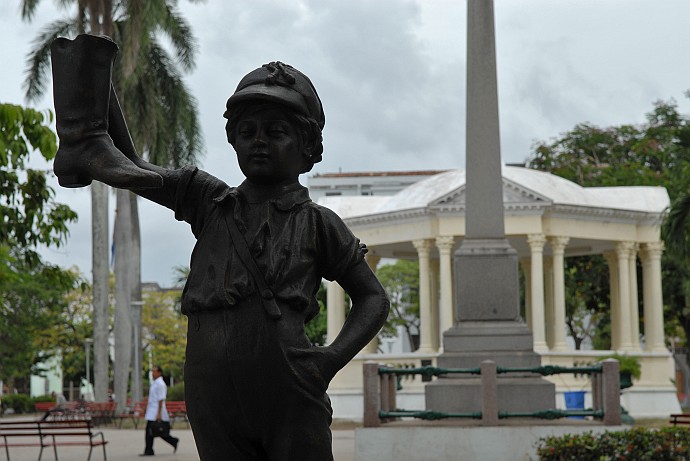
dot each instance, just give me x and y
(488, 336)
(464, 395)
(509, 345)
(487, 281)
(489, 327)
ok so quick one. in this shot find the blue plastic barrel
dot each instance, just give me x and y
(575, 400)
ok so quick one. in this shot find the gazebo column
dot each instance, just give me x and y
(538, 324)
(634, 309)
(425, 328)
(558, 245)
(614, 298)
(527, 272)
(445, 244)
(548, 302)
(622, 254)
(652, 297)
(373, 346)
(434, 295)
(335, 307)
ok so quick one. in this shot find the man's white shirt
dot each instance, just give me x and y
(157, 392)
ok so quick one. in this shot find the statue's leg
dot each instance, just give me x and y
(82, 71)
(244, 401)
(218, 420)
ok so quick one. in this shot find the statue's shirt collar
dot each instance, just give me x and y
(282, 197)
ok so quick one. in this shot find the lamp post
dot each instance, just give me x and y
(135, 311)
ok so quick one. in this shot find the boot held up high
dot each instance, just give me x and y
(82, 71)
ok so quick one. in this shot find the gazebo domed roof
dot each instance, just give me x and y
(519, 184)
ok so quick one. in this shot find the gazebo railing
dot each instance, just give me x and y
(381, 384)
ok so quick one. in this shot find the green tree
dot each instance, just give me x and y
(32, 309)
(31, 291)
(654, 153)
(587, 299)
(75, 325)
(165, 332)
(163, 121)
(401, 281)
(28, 214)
(317, 328)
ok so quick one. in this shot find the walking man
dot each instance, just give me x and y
(157, 419)
(60, 403)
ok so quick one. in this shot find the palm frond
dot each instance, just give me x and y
(162, 114)
(676, 226)
(38, 60)
(146, 20)
(180, 34)
(28, 8)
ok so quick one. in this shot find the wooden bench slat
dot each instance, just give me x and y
(80, 444)
(51, 434)
(177, 409)
(679, 419)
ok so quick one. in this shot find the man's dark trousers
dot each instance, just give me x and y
(152, 431)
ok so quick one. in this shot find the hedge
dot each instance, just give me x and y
(636, 444)
(19, 403)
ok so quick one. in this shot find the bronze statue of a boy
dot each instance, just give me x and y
(255, 386)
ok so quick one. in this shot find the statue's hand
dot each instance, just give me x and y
(79, 162)
(119, 133)
(317, 364)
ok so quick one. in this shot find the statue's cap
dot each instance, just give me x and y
(279, 83)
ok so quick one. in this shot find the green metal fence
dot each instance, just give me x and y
(386, 381)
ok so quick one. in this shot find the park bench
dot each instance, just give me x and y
(71, 410)
(134, 411)
(42, 407)
(679, 419)
(75, 432)
(100, 412)
(177, 409)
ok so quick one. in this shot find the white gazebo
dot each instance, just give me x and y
(547, 219)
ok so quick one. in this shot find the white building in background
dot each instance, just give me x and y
(375, 183)
(547, 219)
(52, 379)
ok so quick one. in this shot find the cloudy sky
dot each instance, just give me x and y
(391, 75)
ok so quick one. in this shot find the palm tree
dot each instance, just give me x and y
(677, 225)
(676, 235)
(180, 275)
(163, 119)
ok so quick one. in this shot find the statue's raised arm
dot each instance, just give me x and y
(94, 141)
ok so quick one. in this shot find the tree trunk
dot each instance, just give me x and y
(135, 255)
(123, 297)
(100, 287)
(99, 232)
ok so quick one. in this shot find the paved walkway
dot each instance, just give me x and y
(126, 444)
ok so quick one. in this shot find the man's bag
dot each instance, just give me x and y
(159, 428)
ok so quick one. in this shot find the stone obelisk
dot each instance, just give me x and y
(487, 324)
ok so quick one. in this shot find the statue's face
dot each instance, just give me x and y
(268, 146)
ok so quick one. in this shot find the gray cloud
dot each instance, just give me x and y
(391, 74)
